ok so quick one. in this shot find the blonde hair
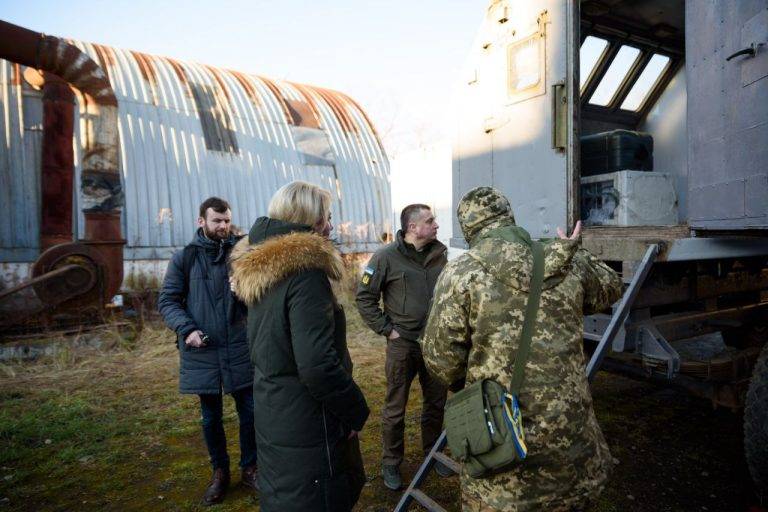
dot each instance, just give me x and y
(300, 202)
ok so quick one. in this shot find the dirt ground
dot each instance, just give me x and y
(105, 429)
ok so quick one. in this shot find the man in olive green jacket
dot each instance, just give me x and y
(405, 273)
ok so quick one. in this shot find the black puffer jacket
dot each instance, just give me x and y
(199, 297)
(303, 386)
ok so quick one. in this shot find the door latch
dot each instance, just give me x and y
(559, 116)
(751, 50)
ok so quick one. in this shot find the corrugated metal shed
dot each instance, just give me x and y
(189, 131)
(20, 153)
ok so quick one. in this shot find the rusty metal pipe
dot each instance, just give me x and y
(57, 162)
(102, 233)
(101, 191)
(52, 54)
(101, 187)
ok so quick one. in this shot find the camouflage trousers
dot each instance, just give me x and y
(472, 504)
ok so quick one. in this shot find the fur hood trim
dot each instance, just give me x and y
(258, 267)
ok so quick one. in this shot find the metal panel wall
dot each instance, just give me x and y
(666, 122)
(21, 132)
(727, 114)
(503, 135)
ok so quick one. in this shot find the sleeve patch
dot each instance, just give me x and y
(367, 274)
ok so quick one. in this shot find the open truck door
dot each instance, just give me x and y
(516, 123)
(727, 69)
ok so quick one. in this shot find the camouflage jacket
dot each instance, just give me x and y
(473, 332)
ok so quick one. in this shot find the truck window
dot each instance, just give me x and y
(592, 51)
(525, 67)
(617, 72)
(646, 82)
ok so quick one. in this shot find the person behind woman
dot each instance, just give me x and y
(308, 408)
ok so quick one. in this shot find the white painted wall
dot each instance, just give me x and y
(666, 122)
(423, 175)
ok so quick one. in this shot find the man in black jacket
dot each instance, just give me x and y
(405, 273)
(210, 324)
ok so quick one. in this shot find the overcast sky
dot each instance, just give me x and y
(398, 58)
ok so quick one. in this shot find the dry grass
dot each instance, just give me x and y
(106, 429)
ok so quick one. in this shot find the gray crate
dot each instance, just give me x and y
(629, 198)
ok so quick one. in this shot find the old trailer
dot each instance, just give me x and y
(648, 120)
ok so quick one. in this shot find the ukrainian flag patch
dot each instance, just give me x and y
(514, 420)
(367, 274)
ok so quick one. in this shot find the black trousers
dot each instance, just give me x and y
(212, 409)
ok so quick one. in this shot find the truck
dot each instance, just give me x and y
(648, 121)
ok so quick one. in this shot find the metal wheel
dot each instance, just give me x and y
(82, 285)
(756, 424)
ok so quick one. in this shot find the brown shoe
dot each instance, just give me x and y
(250, 477)
(217, 488)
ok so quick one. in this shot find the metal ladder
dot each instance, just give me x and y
(413, 493)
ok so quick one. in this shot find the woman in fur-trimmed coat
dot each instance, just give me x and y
(308, 409)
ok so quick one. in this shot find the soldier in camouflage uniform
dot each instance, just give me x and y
(473, 333)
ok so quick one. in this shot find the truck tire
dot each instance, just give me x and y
(756, 424)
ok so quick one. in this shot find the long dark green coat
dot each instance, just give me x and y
(306, 402)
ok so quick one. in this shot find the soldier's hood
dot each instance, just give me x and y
(481, 207)
(482, 212)
(512, 262)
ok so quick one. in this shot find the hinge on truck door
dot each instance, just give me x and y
(559, 116)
